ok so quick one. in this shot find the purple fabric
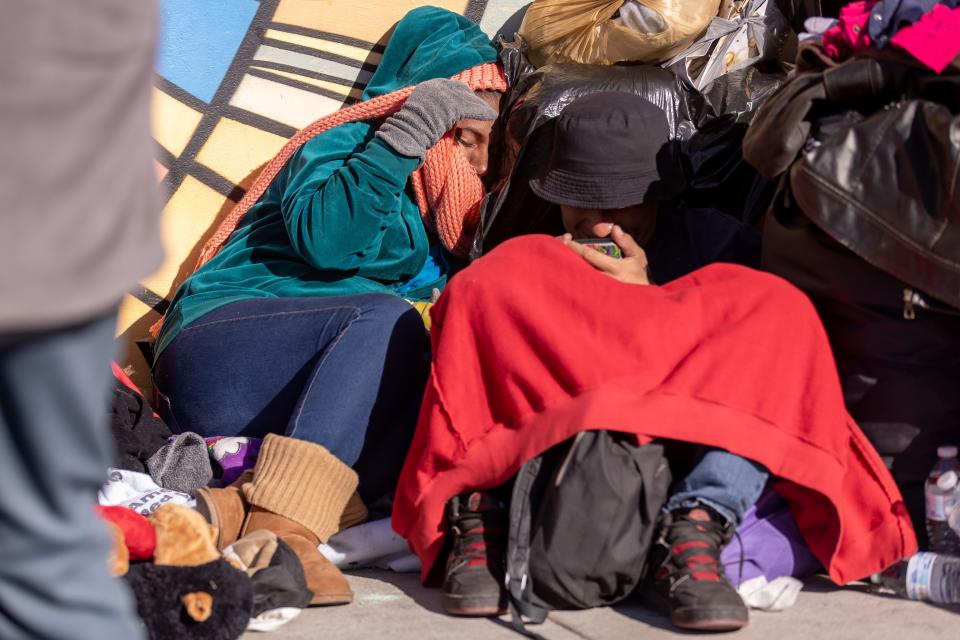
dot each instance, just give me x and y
(772, 544)
(233, 455)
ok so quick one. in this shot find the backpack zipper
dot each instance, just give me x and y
(912, 300)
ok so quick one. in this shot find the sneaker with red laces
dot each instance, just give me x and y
(473, 583)
(686, 579)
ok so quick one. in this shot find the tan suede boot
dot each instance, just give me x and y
(324, 579)
(300, 492)
(354, 513)
(225, 509)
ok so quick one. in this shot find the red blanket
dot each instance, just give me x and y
(532, 345)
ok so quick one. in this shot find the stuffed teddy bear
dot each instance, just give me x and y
(119, 560)
(133, 536)
(189, 591)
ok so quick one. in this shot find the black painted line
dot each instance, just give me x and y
(151, 299)
(475, 10)
(221, 99)
(316, 75)
(258, 121)
(326, 35)
(146, 350)
(179, 94)
(164, 157)
(217, 182)
(296, 84)
(318, 53)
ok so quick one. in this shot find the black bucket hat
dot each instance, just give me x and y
(610, 150)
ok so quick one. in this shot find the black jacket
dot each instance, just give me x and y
(865, 221)
(871, 151)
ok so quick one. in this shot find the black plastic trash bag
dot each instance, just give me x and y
(707, 126)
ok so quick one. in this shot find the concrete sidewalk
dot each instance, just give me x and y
(393, 606)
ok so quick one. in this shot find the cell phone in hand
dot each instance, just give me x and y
(604, 246)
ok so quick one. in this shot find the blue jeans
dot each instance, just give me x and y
(54, 453)
(345, 372)
(726, 482)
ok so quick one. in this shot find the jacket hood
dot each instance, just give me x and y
(429, 43)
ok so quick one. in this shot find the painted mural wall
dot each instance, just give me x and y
(235, 79)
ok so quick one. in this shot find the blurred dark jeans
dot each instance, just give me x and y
(345, 372)
(54, 453)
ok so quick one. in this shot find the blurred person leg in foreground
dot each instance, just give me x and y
(78, 227)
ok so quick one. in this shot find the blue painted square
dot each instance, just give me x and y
(199, 39)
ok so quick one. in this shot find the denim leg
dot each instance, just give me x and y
(345, 372)
(723, 481)
(54, 451)
(364, 395)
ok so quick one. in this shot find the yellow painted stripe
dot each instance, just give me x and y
(236, 151)
(172, 122)
(339, 89)
(189, 214)
(131, 317)
(133, 323)
(368, 20)
(338, 48)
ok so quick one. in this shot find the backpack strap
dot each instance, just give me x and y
(518, 583)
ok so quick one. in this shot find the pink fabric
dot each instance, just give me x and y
(934, 40)
(850, 34)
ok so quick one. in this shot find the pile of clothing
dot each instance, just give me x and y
(149, 502)
(150, 458)
(185, 587)
(864, 143)
(928, 30)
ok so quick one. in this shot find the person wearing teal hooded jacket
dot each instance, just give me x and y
(299, 325)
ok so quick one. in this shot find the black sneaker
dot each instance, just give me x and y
(686, 579)
(473, 583)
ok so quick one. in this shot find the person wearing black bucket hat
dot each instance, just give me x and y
(611, 167)
(611, 151)
(613, 172)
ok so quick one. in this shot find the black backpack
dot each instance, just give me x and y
(582, 518)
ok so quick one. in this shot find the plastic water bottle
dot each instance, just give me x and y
(942, 495)
(926, 576)
(954, 518)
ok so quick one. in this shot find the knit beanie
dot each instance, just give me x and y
(183, 464)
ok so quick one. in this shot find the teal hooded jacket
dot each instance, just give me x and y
(340, 217)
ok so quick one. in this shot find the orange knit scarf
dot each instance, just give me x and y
(448, 190)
